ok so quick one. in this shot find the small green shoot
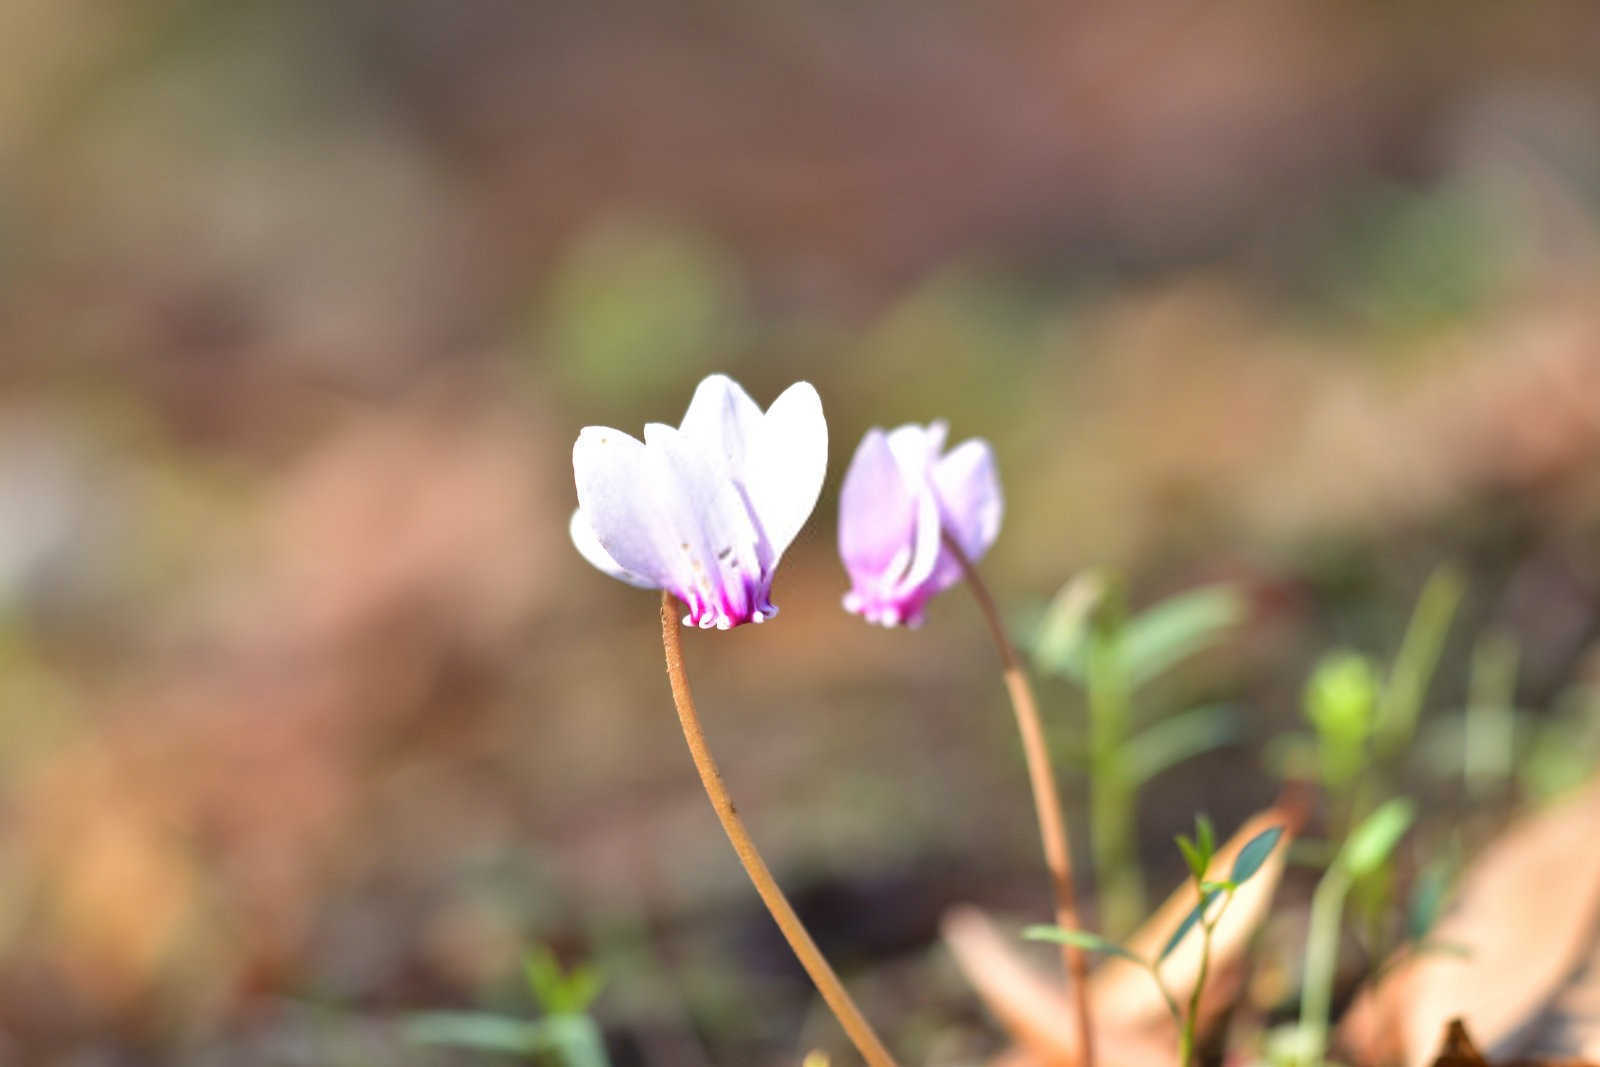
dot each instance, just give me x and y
(1342, 702)
(1366, 850)
(1087, 637)
(1198, 852)
(566, 1031)
(1414, 665)
(559, 992)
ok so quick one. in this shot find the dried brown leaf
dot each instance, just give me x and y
(1525, 918)
(1458, 1050)
(1131, 1021)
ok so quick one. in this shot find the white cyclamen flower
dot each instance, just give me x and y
(705, 509)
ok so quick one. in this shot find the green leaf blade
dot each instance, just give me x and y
(1254, 854)
(1176, 738)
(1163, 636)
(1189, 922)
(1193, 856)
(1079, 939)
(480, 1031)
(1370, 843)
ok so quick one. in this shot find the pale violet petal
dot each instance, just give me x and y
(928, 546)
(877, 511)
(591, 549)
(970, 500)
(916, 448)
(784, 465)
(723, 420)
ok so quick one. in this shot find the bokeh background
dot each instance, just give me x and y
(310, 717)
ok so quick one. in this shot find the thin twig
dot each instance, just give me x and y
(1046, 797)
(827, 983)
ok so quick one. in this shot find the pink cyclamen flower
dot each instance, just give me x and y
(704, 509)
(900, 496)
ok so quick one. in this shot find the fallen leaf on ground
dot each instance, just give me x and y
(1525, 919)
(1458, 1050)
(1131, 1022)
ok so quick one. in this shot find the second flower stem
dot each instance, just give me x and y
(1046, 797)
(811, 958)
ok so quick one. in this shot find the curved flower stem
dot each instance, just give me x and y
(827, 983)
(1046, 797)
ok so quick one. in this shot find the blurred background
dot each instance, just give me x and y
(310, 716)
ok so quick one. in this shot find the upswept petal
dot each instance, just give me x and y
(623, 494)
(877, 510)
(723, 420)
(916, 448)
(784, 465)
(591, 549)
(970, 502)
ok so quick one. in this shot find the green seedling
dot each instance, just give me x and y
(566, 1034)
(1213, 898)
(1087, 638)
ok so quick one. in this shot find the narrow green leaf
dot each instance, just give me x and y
(1414, 664)
(1192, 856)
(1060, 644)
(481, 1032)
(1254, 854)
(1189, 921)
(1168, 633)
(1176, 738)
(1370, 843)
(583, 984)
(555, 991)
(1429, 896)
(543, 974)
(1078, 939)
(1206, 835)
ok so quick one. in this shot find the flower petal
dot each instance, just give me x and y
(723, 420)
(916, 448)
(624, 491)
(927, 548)
(877, 510)
(970, 502)
(888, 532)
(591, 549)
(722, 547)
(784, 465)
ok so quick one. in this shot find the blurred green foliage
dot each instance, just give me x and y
(637, 306)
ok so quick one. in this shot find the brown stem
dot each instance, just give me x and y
(1046, 798)
(827, 983)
